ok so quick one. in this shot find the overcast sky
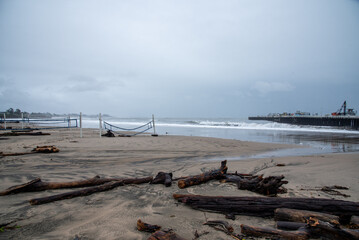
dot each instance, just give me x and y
(183, 58)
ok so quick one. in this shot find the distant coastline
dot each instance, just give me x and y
(11, 113)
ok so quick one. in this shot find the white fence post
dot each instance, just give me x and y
(69, 121)
(100, 127)
(154, 127)
(22, 120)
(80, 124)
(4, 120)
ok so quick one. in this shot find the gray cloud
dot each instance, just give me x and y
(178, 58)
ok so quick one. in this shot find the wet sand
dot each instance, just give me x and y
(113, 214)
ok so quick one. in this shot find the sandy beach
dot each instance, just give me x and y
(113, 214)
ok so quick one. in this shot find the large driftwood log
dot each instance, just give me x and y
(271, 185)
(331, 230)
(204, 177)
(267, 232)
(88, 191)
(38, 185)
(295, 215)
(265, 206)
(163, 178)
(24, 133)
(38, 149)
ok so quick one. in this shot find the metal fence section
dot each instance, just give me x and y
(38, 124)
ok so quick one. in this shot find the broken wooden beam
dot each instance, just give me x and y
(204, 177)
(38, 185)
(90, 190)
(265, 206)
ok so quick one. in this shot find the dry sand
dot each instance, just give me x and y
(113, 214)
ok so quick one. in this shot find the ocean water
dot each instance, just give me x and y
(318, 140)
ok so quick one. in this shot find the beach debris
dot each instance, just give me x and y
(330, 230)
(145, 227)
(108, 134)
(38, 149)
(272, 233)
(45, 149)
(224, 227)
(38, 185)
(198, 235)
(18, 133)
(157, 234)
(90, 190)
(204, 177)
(313, 228)
(299, 224)
(295, 215)
(269, 186)
(266, 206)
(331, 190)
(163, 178)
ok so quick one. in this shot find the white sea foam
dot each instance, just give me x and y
(219, 124)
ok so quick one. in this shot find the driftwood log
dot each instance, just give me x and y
(273, 233)
(271, 185)
(38, 185)
(163, 178)
(157, 234)
(265, 206)
(331, 230)
(24, 133)
(38, 149)
(145, 227)
(224, 227)
(88, 191)
(301, 216)
(204, 177)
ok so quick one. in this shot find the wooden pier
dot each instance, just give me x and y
(350, 122)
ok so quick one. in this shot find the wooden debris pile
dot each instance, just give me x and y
(297, 218)
(302, 225)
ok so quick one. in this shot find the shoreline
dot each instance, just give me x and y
(113, 214)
